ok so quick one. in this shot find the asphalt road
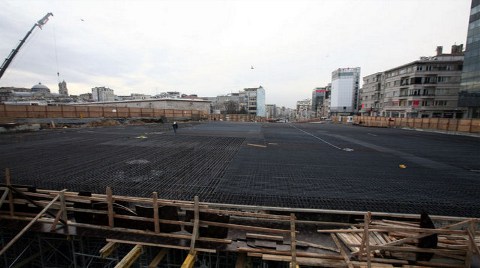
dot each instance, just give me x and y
(325, 166)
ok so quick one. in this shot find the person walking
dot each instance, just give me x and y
(175, 126)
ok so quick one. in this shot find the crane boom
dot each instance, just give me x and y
(14, 52)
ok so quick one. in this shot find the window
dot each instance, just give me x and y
(443, 79)
(426, 103)
(440, 103)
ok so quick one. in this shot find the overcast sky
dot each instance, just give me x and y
(208, 47)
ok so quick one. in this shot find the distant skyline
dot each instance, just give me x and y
(208, 47)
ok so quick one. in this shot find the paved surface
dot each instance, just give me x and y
(293, 165)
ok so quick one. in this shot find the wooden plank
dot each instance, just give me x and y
(10, 194)
(189, 260)
(25, 229)
(471, 236)
(110, 206)
(131, 257)
(264, 237)
(4, 195)
(245, 227)
(245, 214)
(158, 258)
(315, 245)
(195, 227)
(293, 240)
(417, 249)
(307, 261)
(160, 245)
(55, 222)
(155, 212)
(129, 231)
(366, 238)
(398, 230)
(288, 254)
(342, 251)
(108, 249)
(63, 207)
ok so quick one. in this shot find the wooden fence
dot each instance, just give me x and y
(442, 124)
(29, 111)
(236, 117)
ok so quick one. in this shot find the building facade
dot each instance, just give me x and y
(469, 96)
(304, 109)
(371, 95)
(253, 100)
(318, 97)
(426, 88)
(102, 94)
(344, 93)
(271, 111)
(174, 104)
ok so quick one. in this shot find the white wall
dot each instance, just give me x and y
(342, 94)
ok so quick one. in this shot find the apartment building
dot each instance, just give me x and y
(318, 97)
(371, 95)
(253, 100)
(102, 94)
(304, 109)
(424, 88)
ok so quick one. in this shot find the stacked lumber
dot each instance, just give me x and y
(397, 242)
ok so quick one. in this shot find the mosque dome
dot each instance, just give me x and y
(40, 88)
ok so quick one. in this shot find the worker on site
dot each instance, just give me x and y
(175, 126)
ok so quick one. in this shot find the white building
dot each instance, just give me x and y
(344, 92)
(170, 104)
(254, 101)
(102, 94)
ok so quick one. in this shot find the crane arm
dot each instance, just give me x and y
(14, 52)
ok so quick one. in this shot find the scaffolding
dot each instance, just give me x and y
(51, 228)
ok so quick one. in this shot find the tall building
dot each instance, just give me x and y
(424, 88)
(371, 95)
(102, 94)
(271, 111)
(318, 97)
(62, 88)
(253, 100)
(469, 96)
(344, 93)
(304, 109)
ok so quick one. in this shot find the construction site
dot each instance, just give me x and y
(232, 194)
(118, 185)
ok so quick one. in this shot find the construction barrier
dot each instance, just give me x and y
(63, 111)
(236, 117)
(442, 124)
